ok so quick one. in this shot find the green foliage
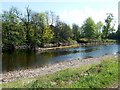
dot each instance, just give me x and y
(76, 32)
(38, 25)
(63, 32)
(89, 28)
(36, 29)
(12, 29)
(33, 29)
(47, 35)
(107, 29)
(117, 36)
(99, 27)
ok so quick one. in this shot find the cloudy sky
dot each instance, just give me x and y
(70, 11)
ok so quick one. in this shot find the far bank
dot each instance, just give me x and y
(50, 46)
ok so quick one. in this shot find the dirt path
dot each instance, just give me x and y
(21, 74)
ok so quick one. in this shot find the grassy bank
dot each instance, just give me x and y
(91, 76)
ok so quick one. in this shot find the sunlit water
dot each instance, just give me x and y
(28, 59)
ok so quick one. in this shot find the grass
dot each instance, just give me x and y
(90, 76)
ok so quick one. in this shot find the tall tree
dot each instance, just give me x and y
(53, 16)
(50, 17)
(56, 30)
(26, 20)
(118, 33)
(63, 32)
(10, 28)
(38, 24)
(27, 24)
(89, 27)
(107, 27)
(99, 27)
(76, 32)
(48, 35)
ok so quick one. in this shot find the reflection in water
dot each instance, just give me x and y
(17, 60)
(27, 59)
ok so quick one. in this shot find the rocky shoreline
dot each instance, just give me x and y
(49, 69)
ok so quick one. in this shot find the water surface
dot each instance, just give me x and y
(28, 59)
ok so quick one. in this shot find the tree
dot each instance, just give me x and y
(10, 33)
(41, 29)
(12, 30)
(38, 25)
(47, 35)
(99, 27)
(50, 17)
(76, 32)
(27, 24)
(89, 28)
(107, 27)
(53, 17)
(118, 33)
(26, 20)
(56, 30)
(64, 32)
(36, 29)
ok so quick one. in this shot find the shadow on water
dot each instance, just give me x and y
(23, 59)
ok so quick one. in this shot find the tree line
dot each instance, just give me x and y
(34, 29)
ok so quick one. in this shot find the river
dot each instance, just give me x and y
(22, 59)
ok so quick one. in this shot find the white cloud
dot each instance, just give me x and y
(79, 16)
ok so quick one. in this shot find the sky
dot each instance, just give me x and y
(69, 11)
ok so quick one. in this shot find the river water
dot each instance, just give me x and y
(28, 59)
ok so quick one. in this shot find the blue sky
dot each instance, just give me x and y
(58, 6)
(71, 11)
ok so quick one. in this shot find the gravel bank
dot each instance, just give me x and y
(49, 69)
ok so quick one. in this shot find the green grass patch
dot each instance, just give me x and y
(90, 76)
(99, 76)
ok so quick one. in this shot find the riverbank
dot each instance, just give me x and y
(98, 72)
(60, 47)
(49, 69)
(39, 49)
(81, 42)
